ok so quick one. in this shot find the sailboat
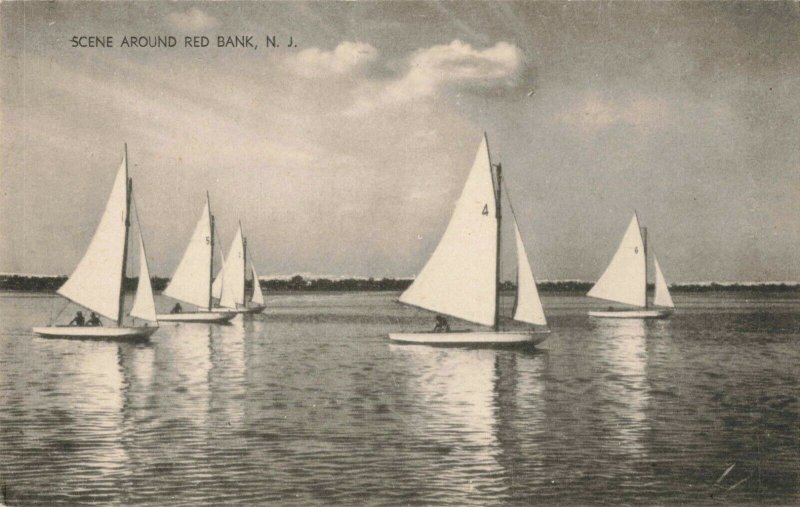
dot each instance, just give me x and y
(191, 282)
(97, 281)
(462, 277)
(625, 280)
(230, 285)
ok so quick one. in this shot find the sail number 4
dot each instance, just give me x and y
(485, 211)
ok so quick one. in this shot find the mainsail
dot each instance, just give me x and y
(258, 297)
(527, 306)
(97, 280)
(625, 279)
(191, 282)
(662, 297)
(459, 278)
(232, 293)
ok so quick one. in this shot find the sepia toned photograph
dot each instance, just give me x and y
(399, 253)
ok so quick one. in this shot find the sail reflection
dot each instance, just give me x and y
(136, 363)
(519, 413)
(226, 378)
(90, 389)
(471, 407)
(180, 391)
(624, 359)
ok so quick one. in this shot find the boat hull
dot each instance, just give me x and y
(248, 310)
(209, 317)
(97, 333)
(499, 338)
(631, 314)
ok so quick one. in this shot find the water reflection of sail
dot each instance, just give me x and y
(624, 359)
(519, 416)
(180, 386)
(457, 388)
(91, 387)
(226, 378)
(136, 363)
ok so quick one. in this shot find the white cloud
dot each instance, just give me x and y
(193, 20)
(345, 58)
(455, 65)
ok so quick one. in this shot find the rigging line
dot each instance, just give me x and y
(52, 309)
(66, 303)
(138, 224)
(144, 247)
(513, 213)
(141, 240)
(516, 225)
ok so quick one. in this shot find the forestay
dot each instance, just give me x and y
(216, 287)
(662, 297)
(144, 305)
(528, 306)
(191, 282)
(258, 297)
(234, 274)
(97, 280)
(459, 278)
(624, 281)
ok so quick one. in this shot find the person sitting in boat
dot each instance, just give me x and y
(442, 326)
(94, 320)
(176, 309)
(78, 320)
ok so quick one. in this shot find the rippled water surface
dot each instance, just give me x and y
(310, 404)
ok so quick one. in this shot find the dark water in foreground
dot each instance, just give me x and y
(310, 404)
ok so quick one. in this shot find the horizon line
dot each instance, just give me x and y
(312, 276)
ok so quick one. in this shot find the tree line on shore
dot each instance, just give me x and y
(24, 283)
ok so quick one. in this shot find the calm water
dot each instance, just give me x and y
(310, 404)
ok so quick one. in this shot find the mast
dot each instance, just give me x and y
(644, 241)
(129, 190)
(499, 213)
(244, 271)
(211, 264)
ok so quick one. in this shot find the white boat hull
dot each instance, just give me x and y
(96, 333)
(473, 338)
(247, 310)
(209, 317)
(631, 314)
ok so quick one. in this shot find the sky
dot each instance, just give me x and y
(344, 154)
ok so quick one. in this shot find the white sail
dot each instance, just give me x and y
(459, 278)
(528, 306)
(191, 282)
(258, 296)
(97, 280)
(144, 306)
(234, 273)
(662, 297)
(625, 279)
(216, 287)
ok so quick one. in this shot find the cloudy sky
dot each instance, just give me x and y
(344, 154)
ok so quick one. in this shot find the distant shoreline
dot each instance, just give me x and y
(49, 284)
